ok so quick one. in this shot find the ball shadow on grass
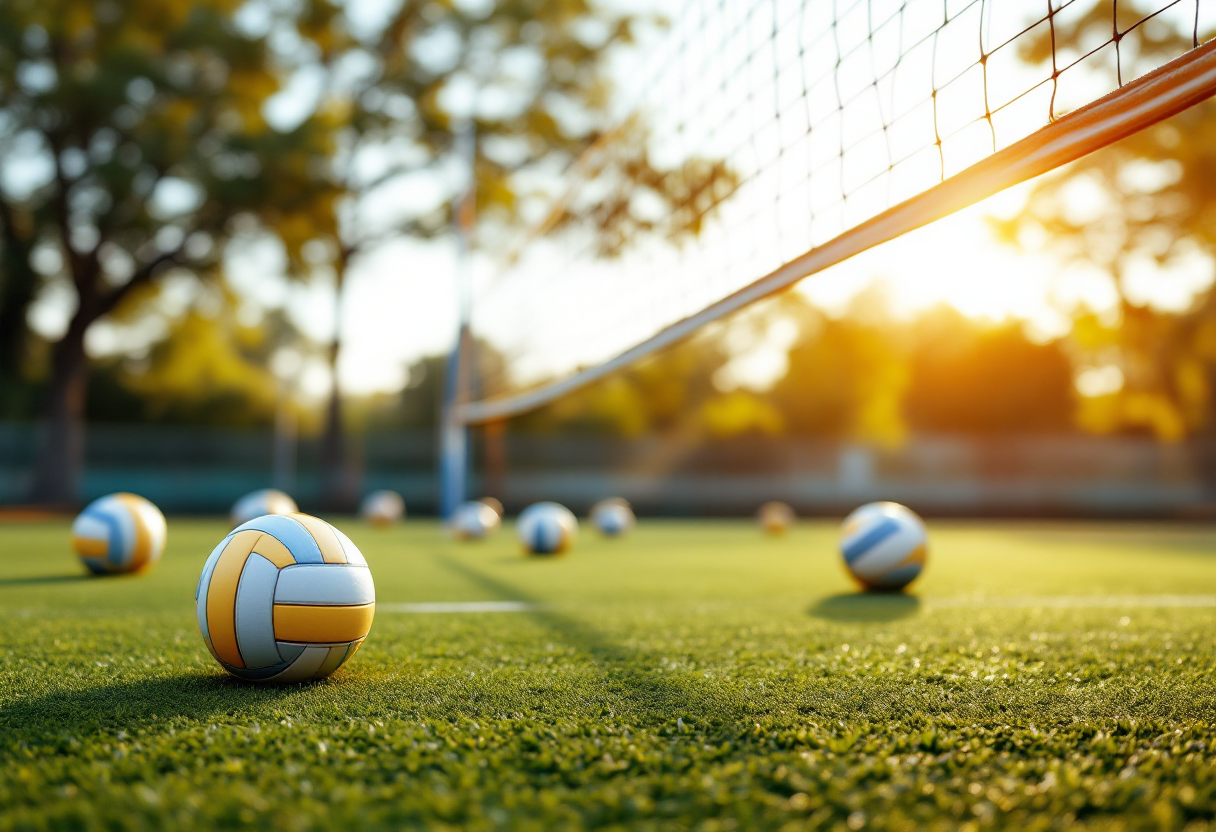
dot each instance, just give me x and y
(130, 704)
(866, 606)
(31, 580)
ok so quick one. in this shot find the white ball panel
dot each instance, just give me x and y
(255, 613)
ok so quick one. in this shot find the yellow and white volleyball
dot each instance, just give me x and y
(473, 521)
(883, 545)
(259, 504)
(547, 528)
(119, 533)
(284, 598)
(775, 517)
(612, 517)
(382, 508)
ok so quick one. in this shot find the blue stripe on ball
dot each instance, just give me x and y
(881, 531)
(548, 536)
(293, 535)
(115, 551)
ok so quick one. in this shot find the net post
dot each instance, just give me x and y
(453, 432)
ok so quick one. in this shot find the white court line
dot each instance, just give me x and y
(1080, 601)
(458, 606)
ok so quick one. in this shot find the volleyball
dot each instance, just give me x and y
(473, 521)
(259, 504)
(547, 528)
(494, 503)
(883, 545)
(775, 517)
(382, 508)
(119, 533)
(612, 517)
(284, 598)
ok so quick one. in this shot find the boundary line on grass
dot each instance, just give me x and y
(1079, 601)
(442, 607)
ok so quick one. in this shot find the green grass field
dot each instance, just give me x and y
(692, 676)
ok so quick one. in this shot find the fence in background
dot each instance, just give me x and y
(194, 470)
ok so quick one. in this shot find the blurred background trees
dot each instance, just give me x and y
(524, 80)
(141, 140)
(133, 145)
(143, 143)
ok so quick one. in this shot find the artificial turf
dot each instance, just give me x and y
(694, 675)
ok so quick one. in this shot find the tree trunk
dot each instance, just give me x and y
(61, 455)
(16, 295)
(337, 483)
(338, 487)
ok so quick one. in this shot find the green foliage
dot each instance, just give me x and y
(986, 379)
(862, 377)
(693, 675)
(632, 200)
(141, 131)
(663, 395)
(418, 405)
(846, 378)
(203, 373)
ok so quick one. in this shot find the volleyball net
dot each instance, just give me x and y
(773, 139)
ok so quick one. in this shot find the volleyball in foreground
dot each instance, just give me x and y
(259, 504)
(473, 521)
(547, 528)
(119, 533)
(775, 517)
(284, 598)
(612, 517)
(382, 508)
(494, 503)
(883, 545)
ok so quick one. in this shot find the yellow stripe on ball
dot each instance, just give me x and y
(917, 555)
(271, 548)
(323, 533)
(322, 625)
(221, 596)
(90, 547)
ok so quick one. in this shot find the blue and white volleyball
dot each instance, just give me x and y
(884, 545)
(473, 521)
(382, 508)
(119, 533)
(284, 599)
(547, 528)
(259, 504)
(612, 517)
(775, 517)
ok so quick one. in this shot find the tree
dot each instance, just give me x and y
(847, 376)
(133, 143)
(976, 378)
(1136, 210)
(525, 78)
(664, 394)
(208, 370)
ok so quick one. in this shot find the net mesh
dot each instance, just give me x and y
(766, 128)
